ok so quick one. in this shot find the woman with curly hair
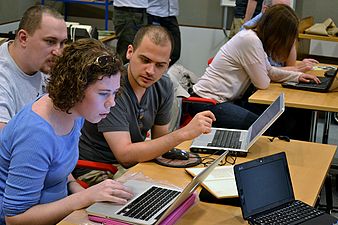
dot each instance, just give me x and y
(39, 146)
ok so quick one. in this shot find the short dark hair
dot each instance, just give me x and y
(31, 19)
(76, 69)
(157, 34)
(278, 30)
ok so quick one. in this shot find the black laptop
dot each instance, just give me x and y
(266, 195)
(327, 83)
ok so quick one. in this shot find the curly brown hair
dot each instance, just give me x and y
(76, 69)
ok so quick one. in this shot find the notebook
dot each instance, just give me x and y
(220, 182)
(266, 195)
(328, 83)
(239, 140)
(140, 210)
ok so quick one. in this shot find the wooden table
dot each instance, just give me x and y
(107, 38)
(318, 37)
(326, 102)
(308, 164)
(304, 43)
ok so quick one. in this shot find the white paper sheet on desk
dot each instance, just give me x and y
(220, 182)
(327, 67)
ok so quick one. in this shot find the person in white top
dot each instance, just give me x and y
(164, 13)
(291, 62)
(25, 61)
(128, 17)
(243, 61)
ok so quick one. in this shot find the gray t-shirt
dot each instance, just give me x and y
(127, 115)
(16, 87)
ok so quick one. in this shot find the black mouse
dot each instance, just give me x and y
(176, 154)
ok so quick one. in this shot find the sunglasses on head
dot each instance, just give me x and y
(104, 60)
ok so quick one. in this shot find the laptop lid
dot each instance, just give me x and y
(191, 187)
(263, 184)
(248, 137)
(110, 210)
(266, 119)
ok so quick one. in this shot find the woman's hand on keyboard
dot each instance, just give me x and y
(109, 190)
(308, 78)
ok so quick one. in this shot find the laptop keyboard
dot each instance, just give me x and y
(149, 203)
(226, 139)
(296, 212)
(322, 87)
(324, 83)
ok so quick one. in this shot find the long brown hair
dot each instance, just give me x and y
(278, 30)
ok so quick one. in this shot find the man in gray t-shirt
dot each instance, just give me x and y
(24, 62)
(144, 105)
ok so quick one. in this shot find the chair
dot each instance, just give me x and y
(186, 117)
(96, 166)
(210, 60)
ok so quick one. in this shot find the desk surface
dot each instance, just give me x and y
(318, 37)
(297, 98)
(308, 163)
(105, 38)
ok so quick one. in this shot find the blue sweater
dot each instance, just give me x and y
(34, 162)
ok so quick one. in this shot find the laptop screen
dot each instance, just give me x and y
(268, 116)
(263, 184)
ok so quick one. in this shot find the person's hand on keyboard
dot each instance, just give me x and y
(108, 191)
(306, 65)
(308, 78)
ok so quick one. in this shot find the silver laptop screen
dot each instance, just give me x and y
(267, 117)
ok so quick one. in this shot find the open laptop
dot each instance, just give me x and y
(265, 192)
(328, 83)
(238, 141)
(141, 209)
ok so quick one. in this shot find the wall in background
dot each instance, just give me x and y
(320, 10)
(12, 10)
(198, 45)
(205, 13)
